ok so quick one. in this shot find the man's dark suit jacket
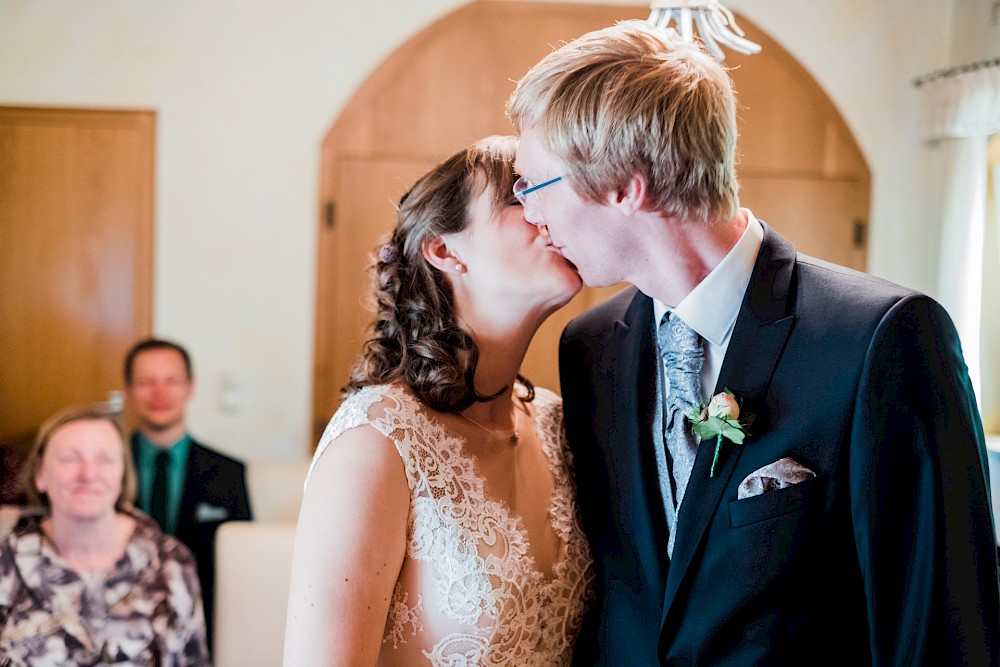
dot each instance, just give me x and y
(215, 491)
(886, 557)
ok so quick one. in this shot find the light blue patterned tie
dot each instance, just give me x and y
(683, 357)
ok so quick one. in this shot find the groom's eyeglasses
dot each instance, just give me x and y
(523, 187)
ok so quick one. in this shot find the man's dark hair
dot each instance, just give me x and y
(155, 344)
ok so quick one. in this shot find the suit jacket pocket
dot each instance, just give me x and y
(208, 513)
(772, 504)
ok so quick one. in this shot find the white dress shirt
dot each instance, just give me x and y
(712, 306)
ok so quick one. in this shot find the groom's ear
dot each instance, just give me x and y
(629, 198)
(439, 254)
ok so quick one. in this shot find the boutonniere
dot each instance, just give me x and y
(720, 418)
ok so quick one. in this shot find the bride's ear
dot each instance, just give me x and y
(440, 255)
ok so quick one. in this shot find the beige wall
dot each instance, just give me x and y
(976, 31)
(245, 91)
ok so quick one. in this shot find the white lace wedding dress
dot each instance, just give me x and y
(469, 592)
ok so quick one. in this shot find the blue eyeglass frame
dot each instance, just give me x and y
(520, 195)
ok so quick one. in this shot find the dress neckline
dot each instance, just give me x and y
(456, 443)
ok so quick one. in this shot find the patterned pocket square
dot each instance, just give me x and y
(774, 476)
(204, 513)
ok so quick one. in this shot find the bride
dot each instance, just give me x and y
(439, 525)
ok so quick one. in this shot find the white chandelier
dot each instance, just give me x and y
(715, 24)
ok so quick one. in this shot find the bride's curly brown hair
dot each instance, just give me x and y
(415, 337)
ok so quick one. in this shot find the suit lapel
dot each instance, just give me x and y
(635, 387)
(759, 336)
(191, 493)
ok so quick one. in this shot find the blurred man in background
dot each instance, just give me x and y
(190, 489)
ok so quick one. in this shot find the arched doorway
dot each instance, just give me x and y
(800, 168)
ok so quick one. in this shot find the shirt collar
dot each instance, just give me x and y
(712, 306)
(176, 453)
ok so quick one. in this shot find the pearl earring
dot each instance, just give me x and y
(459, 267)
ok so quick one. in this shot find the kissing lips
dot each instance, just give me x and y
(559, 251)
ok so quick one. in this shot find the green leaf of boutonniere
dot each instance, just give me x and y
(719, 418)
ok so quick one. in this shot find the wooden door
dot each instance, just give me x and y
(441, 90)
(76, 223)
(367, 189)
(801, 170)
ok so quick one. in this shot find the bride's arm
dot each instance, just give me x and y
(349, 547)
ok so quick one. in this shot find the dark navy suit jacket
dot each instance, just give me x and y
(886, 557)
(215, 491)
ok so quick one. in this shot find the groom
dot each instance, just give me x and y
(852, 525)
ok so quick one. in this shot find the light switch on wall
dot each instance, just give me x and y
(116, 400)
(230, 393)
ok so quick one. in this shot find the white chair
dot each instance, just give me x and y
(993, 458)
(275, 489)
(253, 562)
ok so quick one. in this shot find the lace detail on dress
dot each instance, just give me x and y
(400, 615)
(466, 553)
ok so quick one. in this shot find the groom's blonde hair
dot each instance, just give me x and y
(636, 99)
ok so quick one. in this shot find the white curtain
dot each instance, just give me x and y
(961, 112)
(960, 281)
(991, 304)
(961, 105)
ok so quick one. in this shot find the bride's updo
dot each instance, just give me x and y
(415, 338)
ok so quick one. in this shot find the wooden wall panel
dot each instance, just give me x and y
(76, 224)
(823, 217)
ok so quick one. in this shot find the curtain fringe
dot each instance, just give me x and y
(952, 71)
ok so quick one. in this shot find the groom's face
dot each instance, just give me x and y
(583, 231)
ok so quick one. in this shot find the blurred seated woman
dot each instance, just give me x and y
(85, 578)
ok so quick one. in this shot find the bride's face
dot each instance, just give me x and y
(507, 258)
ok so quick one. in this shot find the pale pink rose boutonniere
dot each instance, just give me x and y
(720, 418)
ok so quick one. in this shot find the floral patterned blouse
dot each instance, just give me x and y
(146, 610)
(469, 593)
